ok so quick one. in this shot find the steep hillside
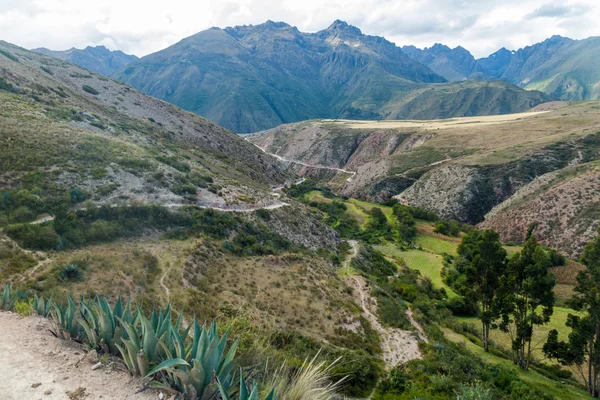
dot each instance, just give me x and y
(98, 59)
(561, 67)
(460, 168)
(64, 127)
(250, 78)
(563, 205)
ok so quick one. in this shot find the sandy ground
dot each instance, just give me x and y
(435, 124)
(36, 365)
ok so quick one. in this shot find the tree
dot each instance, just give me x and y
(583, 346)
(527, 297)
(378, 222)
(486, 264)
(407, 227)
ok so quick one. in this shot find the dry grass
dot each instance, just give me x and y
(567, 275)
(312, 381)
(434, 124)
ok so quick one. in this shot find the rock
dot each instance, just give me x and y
(93, 356)
(48, 392)
(161, 396)
(96, 366)
(36, 385)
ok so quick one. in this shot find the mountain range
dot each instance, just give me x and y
(564, 68)
(251, 78)
(98, 59)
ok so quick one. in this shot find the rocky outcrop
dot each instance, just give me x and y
(445, 190)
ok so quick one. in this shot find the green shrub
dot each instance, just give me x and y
(71, 272)
(90, 90)
(9, 55)
(46, 70)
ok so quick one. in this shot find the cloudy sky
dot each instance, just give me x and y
(141, 27)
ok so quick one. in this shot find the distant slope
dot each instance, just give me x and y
(63, 127)
(462, 168)
(561, 67)
(98, 59)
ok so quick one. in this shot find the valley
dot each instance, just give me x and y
(469, 169)
(299, 216)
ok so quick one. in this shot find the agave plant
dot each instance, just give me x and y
(244, 393)
(8, 299)
(42, 307)
(201, 369)
(64, 321)
(103, 326)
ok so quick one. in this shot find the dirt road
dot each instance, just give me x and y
(36, 365)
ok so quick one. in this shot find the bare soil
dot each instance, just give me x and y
(36, 365)
(398, 346)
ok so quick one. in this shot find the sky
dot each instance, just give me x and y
(142, 27)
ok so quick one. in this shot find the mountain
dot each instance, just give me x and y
(250, 78)
(98, 59)
(92, 123)
(561, 67)
(463, 168)
(453, 64)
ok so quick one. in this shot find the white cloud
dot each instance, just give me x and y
(144, 26)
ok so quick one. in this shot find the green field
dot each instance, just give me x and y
(428, 264)
(540, 332)
(558, 390)
(436, 245)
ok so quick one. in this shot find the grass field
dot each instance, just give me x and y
(540, 333)
(428, 264)
(558, 390)
(436, 245)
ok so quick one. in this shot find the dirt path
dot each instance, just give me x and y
(165, 287)
(348, 260)
(280, 158)
(398, 346)
(417, 325)
(36, 365)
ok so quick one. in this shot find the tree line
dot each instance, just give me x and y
(516, 294)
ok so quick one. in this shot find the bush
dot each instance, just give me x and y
(460, 306)
(71, 273)
(90, 90)
(448, 228)
(557, 259)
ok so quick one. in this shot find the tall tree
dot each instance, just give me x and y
(527, 297)
(583, 346)
(483, 275)
(407, 226)
(484, 262)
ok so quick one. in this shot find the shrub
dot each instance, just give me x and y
(448, 228)
(9, 55)
(90, 90)
(71, 273)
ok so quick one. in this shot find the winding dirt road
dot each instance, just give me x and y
(280, 158)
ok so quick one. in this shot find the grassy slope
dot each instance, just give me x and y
(558, 390)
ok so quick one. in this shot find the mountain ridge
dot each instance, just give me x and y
(98, 59)
(559, 66)
(253, 77)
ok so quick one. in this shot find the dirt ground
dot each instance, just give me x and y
(36, 365)
(399, 346)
